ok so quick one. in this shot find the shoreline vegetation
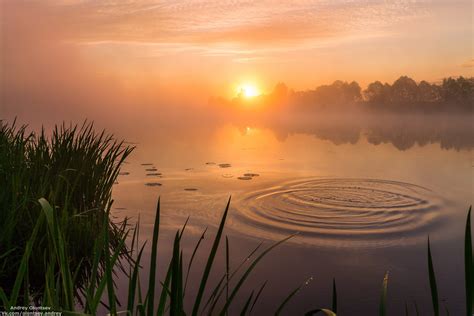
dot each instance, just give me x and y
(59, 247)
(403, 96)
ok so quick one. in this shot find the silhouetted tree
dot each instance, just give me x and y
(404, 91)
(377, 93)
(404, 95)
(459, 92)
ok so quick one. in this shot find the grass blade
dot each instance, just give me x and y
(24, 262)
(210, 261)
(468, 265)
(192, 259)
(247, 273)
(164, 291)
(433, 287)
(108, 274)
(247, 304)
(132, 286)
(215, 297)
(287, 299)
(154, 249)
(258, 295)
(227, 268)
(174, 304)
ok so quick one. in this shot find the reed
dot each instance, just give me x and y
(74, 169)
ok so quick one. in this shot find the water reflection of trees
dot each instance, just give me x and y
(402, 131)
(404, 113)
(406, 132)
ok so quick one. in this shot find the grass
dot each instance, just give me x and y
(172, 288)
(56, 212)
(74, 169)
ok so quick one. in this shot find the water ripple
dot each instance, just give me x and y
(340, 212)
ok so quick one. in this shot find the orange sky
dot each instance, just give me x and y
(207, 48)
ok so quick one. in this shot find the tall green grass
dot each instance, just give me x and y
(74, 169)
(59, 288)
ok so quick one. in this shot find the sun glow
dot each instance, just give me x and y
(248, 90)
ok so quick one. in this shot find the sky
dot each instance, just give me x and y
(90, 51)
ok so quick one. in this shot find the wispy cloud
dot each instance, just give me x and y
(244, 22)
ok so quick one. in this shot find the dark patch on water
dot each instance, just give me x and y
(244, 178)
(153, 184)
(225, 165)
(251, 175)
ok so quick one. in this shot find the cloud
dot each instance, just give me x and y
(244, 22)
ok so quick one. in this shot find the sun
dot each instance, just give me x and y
(248, 90)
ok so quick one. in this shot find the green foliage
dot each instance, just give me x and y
(468, 266)
(74, 169)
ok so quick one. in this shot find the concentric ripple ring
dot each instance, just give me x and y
(340, 212)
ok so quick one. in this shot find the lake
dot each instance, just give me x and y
(362, 197)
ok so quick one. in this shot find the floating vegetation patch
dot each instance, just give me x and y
(151, 169)
(188, 169)
(120, 208)
(227, 175)
(210, 163)
(155, 174)
(190, 189)
(147, 164)
(153, 184)
(244, 178)
(251, 175)
(225, 165)
(124, 173)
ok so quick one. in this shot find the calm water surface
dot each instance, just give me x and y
(362, 200)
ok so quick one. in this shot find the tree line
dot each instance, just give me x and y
(403, 95)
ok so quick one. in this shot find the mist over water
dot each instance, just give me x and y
(362, 171)
(362, 191)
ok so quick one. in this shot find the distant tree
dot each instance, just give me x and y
(377, 93)
(354, 91)
(404, 91)
(458, 92)
(428, 93)
(404, 95)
